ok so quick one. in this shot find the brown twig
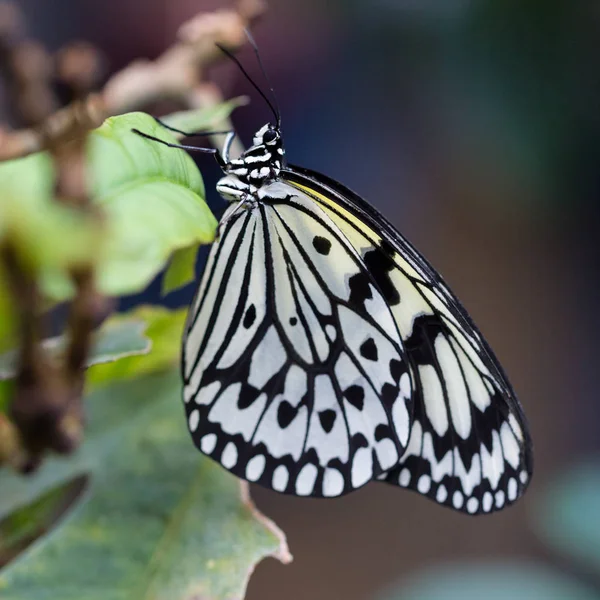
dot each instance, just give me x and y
(39, 392)
(46, 407)
(174, 74)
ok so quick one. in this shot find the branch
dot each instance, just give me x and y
(177, 74)
(46, 408)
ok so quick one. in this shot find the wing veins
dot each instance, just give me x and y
(340, 301)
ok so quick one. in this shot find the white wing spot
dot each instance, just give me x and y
(472, 505)
(362, 467)
(305, 482)
(404, 478)
(457, 499)
(515, 426)
(208, 443)
(442, 494)
(433, 396)
(387, 453)
(510, 446)
(512, 489)
(280, 478)
(229, 456)
(493, 463)
(267, 359)
(207, 394)
(487, 502)
(255, 467)
(333, 482)
(458, 399)
(424, 484)
(499, 498)
(194, 420)
(523, 476)
(401, 420)
(404, 384)
(331, 332)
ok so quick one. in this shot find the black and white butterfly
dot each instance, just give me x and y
(322, 351)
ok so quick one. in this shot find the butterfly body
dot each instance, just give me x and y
(322, 351)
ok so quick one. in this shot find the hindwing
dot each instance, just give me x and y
(469, 444)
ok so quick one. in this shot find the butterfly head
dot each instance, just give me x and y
(268, 135)
(257, 166)
(267, 148)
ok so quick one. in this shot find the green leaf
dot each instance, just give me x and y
(567, 515)
(117, 338)
(6, 393)
(7, 315)
(45, 233)
(158, 521)
(27, 523)
(204, 119)
(181, 269)
(152, 198)
(492, 581)
(164, 327)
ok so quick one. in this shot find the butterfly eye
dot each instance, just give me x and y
(270, 136)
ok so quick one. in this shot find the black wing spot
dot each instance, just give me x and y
(396, 369)
(380, 264)
(389, 394)
(327, 418)
(368, 349)
(249, 317)
(286, 413)
(382, 432)
(358, 440)
(355, 394)
(293, 321)
(248, 394)
(322, 245)
(360, 290)
(420, 345)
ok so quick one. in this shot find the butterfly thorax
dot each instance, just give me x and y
(257, 166)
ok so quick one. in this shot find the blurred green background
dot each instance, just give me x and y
(474, 125)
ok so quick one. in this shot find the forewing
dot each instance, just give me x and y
(469, 446)
(294, 373)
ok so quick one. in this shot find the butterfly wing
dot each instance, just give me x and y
(294, 370)
(469, 446)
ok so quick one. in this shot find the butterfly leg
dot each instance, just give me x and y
(227, 146)
(246, 199)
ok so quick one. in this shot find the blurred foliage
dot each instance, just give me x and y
(152, 198)
(566, 518)
(136, 511)
(116, 339)
(164, 328)
(181, 269)
(27, 523)
(495, 581)
(511, 87)
(157, 520)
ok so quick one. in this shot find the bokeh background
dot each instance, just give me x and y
(474, 125)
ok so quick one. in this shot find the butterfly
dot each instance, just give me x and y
(322, 351)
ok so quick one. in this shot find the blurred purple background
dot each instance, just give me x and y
(475, 127)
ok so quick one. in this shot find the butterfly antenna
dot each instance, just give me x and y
(254, 45)
(252, 82)
(189, 133)
(153, 138)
